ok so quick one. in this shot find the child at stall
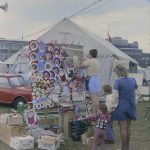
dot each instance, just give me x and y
(111, 98)
(103, 119)
(111, 104)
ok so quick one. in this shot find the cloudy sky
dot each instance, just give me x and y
(129, 19)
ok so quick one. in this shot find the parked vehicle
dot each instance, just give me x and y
(14, 90)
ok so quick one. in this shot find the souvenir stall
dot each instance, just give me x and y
(59, 101)
(57, 85)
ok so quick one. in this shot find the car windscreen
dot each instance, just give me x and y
(17, 81)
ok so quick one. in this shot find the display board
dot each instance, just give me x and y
(50, 71)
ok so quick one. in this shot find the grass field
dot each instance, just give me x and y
(140, 139)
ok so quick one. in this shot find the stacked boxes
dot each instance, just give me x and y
(10, 125)
(8, 131)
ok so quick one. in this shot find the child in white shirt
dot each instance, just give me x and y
(111, 103)
(111, 98)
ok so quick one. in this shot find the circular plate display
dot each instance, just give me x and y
(48, 56)
(33, 45)
(39, 68)
(33, 67)
(52, 74)
(48, 66)
(46, 75)
(32, 56)
(33, 84)
(49, 48)
(40, 57)
(56, 70)
(57, 61)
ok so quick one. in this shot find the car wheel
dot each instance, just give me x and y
(19, 101)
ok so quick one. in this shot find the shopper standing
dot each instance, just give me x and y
(125, 111)
(93, 84)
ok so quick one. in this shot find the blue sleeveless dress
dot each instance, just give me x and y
(126, 108)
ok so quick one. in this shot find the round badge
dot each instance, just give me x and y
(40, 57)
(34, 89)
(49, 47)
(37, 93)
(33, 67)
(39, 69)
(33, 84)
(48, 81)
(47, 66)
(42, 91)
(46, 75)
(56, 70)
(32, 56)
(33, 45)
(33, 93)
(48, 56)
(52, 74)
(57, 61)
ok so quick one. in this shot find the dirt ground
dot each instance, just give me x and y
(140, 139)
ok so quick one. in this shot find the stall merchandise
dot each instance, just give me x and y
(49, 70)
(58, 83)
(31, 118)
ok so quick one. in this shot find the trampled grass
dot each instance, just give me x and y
(140, 139)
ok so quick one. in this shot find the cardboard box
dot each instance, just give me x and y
(8, 131)
(49, 142)
(22, 142)
(11, 119)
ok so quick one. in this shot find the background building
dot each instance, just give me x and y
(10, 47)
(132, 49)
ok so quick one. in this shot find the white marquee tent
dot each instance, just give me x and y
(69, 33)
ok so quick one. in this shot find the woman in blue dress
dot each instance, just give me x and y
(126, 108)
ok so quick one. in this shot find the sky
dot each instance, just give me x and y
(129, 19)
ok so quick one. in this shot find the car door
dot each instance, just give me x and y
(5, 90)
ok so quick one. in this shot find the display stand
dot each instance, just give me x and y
(66, 116)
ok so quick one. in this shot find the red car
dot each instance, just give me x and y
(14, 90)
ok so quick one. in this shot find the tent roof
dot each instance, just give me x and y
(67, 32)
(13, 58)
